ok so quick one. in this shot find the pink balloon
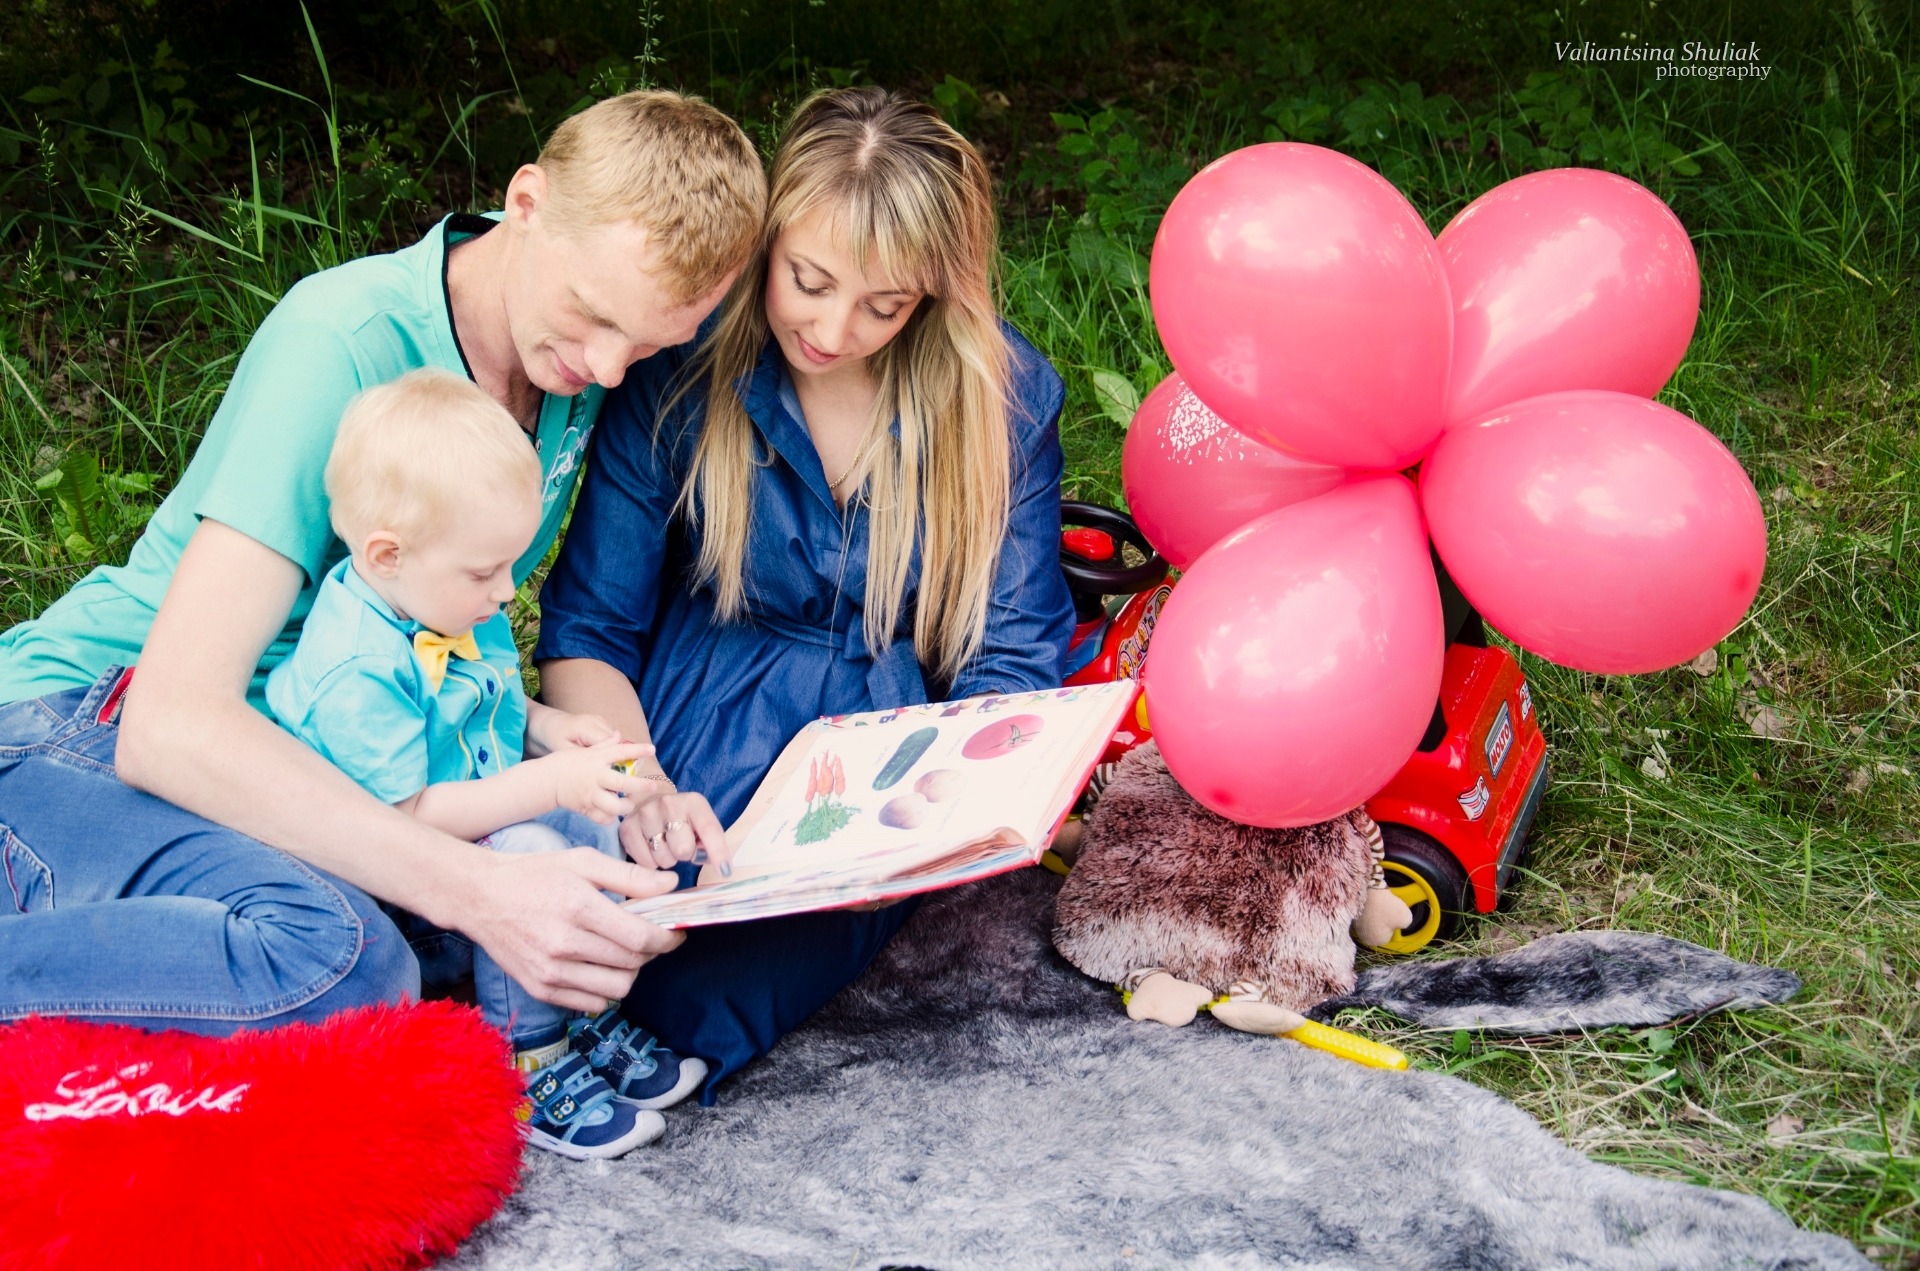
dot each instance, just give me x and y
(1191, 479)
(1605, 532)
(1572, 278)
(1302, 297)
(1296, 665)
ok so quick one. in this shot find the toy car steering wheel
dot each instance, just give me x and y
(1108, 577)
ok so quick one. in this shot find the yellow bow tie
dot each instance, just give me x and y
(430, 649)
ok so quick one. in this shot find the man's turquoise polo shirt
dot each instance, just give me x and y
(353, 690)
(259, 468)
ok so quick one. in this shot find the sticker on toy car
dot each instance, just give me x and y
(1526, 701)
(1474, 802)
(1133, 649)
(1499, 740)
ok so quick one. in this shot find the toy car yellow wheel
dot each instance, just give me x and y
(1427, 877)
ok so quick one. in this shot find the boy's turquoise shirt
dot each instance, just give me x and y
(259, 469)
(354, 691)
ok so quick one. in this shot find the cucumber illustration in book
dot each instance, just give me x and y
(904, 757)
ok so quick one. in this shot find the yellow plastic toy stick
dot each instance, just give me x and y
(1335, 1041)
(1347, 1045)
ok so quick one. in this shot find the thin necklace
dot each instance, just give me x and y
(858, 456)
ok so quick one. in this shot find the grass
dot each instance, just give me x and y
(1766, 806)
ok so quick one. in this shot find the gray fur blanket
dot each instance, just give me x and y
(1574, 980)
(973, 1102)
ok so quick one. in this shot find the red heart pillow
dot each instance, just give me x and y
(377, 1139)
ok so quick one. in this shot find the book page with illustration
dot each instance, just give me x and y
(888, 803)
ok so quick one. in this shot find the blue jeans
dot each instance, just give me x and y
(118, 906)
(527, 1021)
(727, 995)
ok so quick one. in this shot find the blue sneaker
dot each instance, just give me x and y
(576, 1114)
(634, 1063)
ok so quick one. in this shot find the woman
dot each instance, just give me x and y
(845, 499)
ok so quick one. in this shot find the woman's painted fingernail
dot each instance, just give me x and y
(726, 869)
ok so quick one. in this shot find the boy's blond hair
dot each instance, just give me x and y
(412, 451)
(675, 165)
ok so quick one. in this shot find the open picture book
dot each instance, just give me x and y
(881, 805)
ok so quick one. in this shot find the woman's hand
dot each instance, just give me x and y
(664, 826)
(673, 826)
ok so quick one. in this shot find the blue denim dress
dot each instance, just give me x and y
(723, 699)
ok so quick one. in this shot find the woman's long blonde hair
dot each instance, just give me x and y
(910, 192)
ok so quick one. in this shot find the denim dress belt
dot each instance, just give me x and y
(893, 678)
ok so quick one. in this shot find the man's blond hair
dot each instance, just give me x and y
(413, 451)
(675, 165)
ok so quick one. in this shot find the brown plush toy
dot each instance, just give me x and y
(1183, 907)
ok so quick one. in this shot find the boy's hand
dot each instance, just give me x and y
(586, 781)
(550, 730)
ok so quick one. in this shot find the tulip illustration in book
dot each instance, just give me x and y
(881, 805)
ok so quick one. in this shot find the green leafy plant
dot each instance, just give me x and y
(95, 514)
(1117, 396)
(957, 101)
(1567, 127)
(1126, 185)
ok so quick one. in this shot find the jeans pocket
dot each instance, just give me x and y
(29, 881)
(27, 723)
(95, 743)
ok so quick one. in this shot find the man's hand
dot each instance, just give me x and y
(544, 920)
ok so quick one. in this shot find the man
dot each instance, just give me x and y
(140, 816)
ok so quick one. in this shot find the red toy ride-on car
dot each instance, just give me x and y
(1455, 818)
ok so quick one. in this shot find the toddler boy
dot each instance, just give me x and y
(406, 677)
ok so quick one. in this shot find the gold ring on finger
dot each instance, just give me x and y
(674, 825)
